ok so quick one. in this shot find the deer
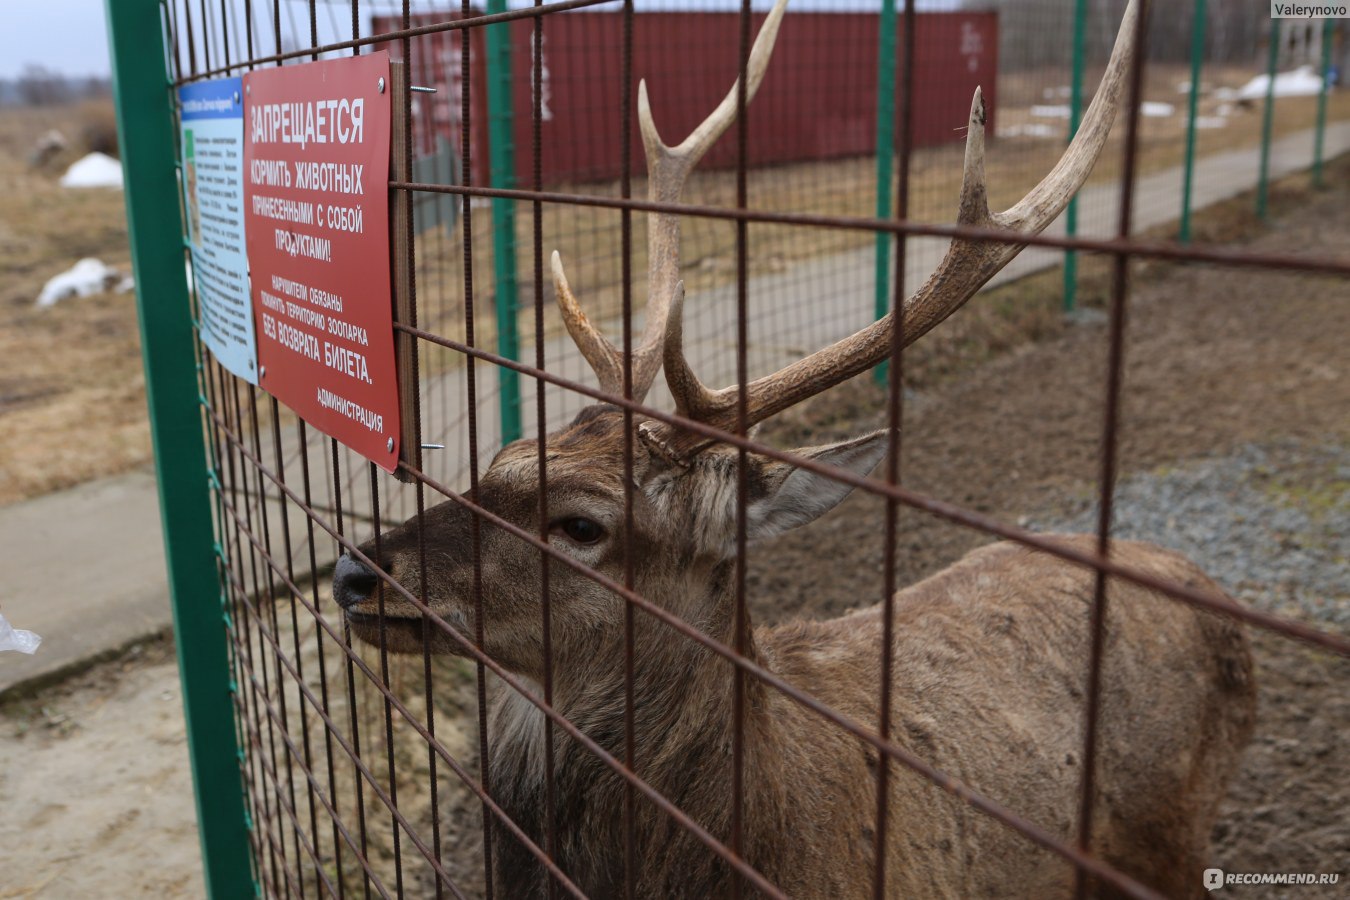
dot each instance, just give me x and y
(989, 658)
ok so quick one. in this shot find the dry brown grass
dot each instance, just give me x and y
(72, 392)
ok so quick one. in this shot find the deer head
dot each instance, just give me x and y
(683, 528)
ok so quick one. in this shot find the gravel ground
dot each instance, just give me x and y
(1270, 523)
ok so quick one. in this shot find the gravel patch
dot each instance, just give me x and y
(1271, 524)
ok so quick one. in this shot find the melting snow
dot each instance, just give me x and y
(1302, 82)
(1030, 129)
(97, 170)
(1056, 111)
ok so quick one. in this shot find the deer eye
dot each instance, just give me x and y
(583, 531)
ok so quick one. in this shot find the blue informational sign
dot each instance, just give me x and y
(212, 114)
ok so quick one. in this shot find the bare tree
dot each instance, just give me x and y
(41, 86)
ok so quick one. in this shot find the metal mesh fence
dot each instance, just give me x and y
(370, 772)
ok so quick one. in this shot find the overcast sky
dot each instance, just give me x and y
(66, 35)
(70, 35)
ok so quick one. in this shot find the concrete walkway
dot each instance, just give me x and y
(85, 570)
(86, 567)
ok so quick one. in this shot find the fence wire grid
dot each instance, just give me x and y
(371, 773)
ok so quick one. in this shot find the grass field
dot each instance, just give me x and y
(72, 392)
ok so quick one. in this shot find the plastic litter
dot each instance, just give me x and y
(84, 279)
(12, 638)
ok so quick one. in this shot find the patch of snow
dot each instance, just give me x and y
(1302, 82)
(1155, 110)
(1225, 109)
(1211, 122)
(97, 170)
(84, 279)
(1030, 129)
(1061, 92)
(1226, 94)
(1056, 111)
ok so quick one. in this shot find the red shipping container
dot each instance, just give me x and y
(818, 99)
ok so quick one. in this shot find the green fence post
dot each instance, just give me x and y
(501, 123)
(885, 161)
(1268, 121)
(1321, 129)
(1197, 60)
(1075, 119)
(148, 137)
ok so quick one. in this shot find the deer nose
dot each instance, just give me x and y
(353, 581)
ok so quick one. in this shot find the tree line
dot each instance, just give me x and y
(38, 85)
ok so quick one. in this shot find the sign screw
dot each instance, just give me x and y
(389, 445)
(236, 97)
(262, 371)
(380, 84)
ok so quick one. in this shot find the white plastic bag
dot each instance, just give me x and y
(12, 638)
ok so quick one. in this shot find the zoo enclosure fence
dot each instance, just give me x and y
(300, 741)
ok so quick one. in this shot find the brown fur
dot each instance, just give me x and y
(988, 682)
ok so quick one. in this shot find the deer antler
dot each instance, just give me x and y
(667, 170)
(967, 266)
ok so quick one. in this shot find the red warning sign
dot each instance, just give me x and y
(316, 207)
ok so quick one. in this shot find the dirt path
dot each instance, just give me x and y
(95, 782)
(97, 796)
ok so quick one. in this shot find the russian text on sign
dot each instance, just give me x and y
(340, 121)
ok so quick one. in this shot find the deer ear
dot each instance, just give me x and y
(783, 496)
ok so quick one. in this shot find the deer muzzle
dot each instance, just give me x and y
(354, 582)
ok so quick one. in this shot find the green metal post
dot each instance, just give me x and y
(148, 136)
(1268, 121)
(501, 122)
(885, 160)
(1328, 30)
(1075, 119)
(1197, 60)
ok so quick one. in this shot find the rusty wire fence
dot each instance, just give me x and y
(809, 285)
(368, 772)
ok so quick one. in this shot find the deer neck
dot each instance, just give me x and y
(676, 679)
(682, 691)
(683, 724)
